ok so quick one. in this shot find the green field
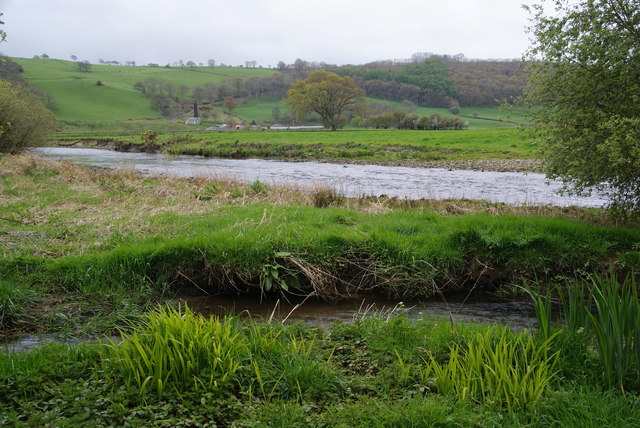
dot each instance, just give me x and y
(391, 147)
(80, 100)
(361, 145)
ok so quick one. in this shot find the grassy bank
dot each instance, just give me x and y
(412, 148)
(87, 242)
(177, 369)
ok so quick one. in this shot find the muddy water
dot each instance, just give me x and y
(350, 180)
(516, 313)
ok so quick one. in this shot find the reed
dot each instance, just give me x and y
(616, 327)
(180, 350)
(506, 370)
(542, 309)
(576, 305)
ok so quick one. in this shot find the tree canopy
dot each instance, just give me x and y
(328, 95)
(584, 96)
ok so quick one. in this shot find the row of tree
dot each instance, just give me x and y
(170, 99)
(401, 120)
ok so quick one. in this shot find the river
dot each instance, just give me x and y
(513, 188)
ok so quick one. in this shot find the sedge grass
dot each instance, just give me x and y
(616, 327)
(179, 350)
(509, 370)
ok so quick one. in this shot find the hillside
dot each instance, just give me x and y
(79, 99)
(118, 97)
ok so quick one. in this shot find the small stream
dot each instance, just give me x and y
(480, 307)
(513, 188)
(517, 313)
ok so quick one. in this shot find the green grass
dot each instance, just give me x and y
(387, 146)
(259, 110)
(294, 375)
(82, 102)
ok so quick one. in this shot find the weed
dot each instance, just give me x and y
(616, 328)
(508, 370)
(258, 187)
(179, 350)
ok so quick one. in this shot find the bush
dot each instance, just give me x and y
(23, 118)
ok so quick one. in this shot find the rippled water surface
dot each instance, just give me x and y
(350, 180)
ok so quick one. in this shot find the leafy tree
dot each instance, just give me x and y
(432, 75)
(229, 104)
(585, 96)
(328, 95)
(84, 66)
(74, 58)
(23, 118)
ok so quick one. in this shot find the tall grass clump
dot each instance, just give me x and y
(542, 309)
(289, 366)
(499, 369)
(605, 312)
(616, 327)
(576, 305)
(180, 350)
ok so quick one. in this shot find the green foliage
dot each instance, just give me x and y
(508, 370)
(276, 276)
(577, 302)
(13, 297)
(149, 136)
(258, 187)
(616, 328)
(613, 327)
(432, 75)
(293, 376)
(23, 118)
(179, 350)
(585, 96)
(328, 95)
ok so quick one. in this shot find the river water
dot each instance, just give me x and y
(513, 188)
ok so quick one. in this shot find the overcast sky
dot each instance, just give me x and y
(267, 31)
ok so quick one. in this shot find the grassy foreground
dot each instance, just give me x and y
(92, 252)
(382, 370)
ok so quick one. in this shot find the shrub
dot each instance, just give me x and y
(23, 118)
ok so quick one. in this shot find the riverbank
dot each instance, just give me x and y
(86, 250)
(490, 149)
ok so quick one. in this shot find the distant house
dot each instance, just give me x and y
(193, 121)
